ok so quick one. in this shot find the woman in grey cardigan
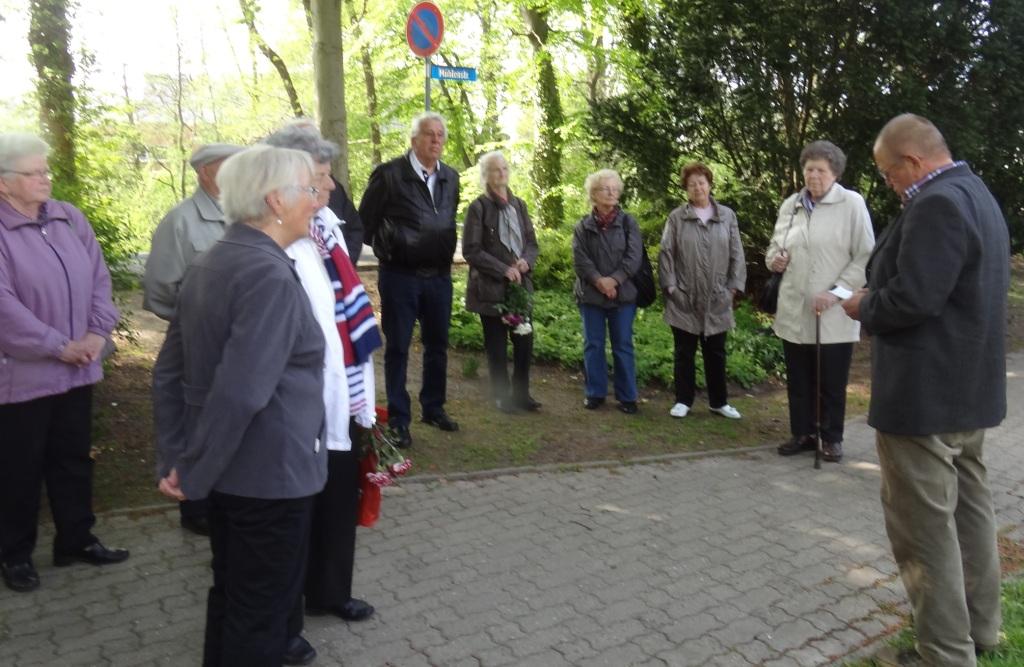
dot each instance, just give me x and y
(237, 392)
(701, 268)
(500, 247)
(606, 249)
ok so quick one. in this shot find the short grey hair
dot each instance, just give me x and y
(825, 150)
(303, 136)
(418, 121)
(245, 179)
(486, 161)
(595, 180)
(17, 145)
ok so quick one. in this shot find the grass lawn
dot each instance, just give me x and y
(1010, 654)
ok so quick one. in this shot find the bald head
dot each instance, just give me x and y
(910, 134)
(908, 148)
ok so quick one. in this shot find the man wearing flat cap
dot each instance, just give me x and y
(187, 230)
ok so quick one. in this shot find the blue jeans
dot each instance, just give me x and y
(404, 299)
(619, 322)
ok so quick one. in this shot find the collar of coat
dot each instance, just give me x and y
(835, 194)
(409, 174)
(690, 214)
(247, 235)
(207, 206)
(591, 225)
(49, 211)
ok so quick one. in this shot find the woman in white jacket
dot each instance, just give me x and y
(345, 316)
(821, 244)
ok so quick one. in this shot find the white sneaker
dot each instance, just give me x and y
(727, 411)
(679, 410)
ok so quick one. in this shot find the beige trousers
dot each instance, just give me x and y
(940, 521)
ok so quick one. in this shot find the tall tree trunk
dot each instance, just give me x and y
(329, 71)
(547, 154)
(493, 47)
(369, 80)
(249, 9)
(49, 37)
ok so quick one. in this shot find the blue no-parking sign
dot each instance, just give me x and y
(424, 29)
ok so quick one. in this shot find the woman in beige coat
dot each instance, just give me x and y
(701, 268)
(821, 244)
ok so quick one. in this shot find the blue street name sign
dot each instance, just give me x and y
(453, 73)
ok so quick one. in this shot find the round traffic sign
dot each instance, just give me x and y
(424, 29)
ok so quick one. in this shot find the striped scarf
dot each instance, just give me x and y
(357, 326)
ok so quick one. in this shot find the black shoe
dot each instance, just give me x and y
(801, 443)
(442, 421)
(199, 525)
(401, 436)
(529, 404)
(628, 407)
(298, 652)
(21, 577)
(94, 554)
(593, 402)
(890, 656)
(832, 451)
(354, 610)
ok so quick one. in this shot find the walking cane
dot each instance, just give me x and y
(817, 388)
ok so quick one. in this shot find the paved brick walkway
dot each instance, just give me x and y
(745, 559)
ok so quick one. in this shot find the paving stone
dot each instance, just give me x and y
(722, 561)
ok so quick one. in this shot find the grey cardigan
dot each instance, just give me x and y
(936, 308)
(614, 252)
(238, 385)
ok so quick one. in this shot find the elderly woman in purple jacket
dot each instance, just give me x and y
(57, 314)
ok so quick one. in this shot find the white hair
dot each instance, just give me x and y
(17, 145)
(486, 161)
(246, 178)
(303, 136)
(418, 121)
(599, 178)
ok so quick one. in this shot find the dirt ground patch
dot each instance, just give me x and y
(562, 432)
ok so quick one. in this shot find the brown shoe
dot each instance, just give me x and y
(832, 451)
(800, 443)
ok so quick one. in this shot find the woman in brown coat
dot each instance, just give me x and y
(500, 247)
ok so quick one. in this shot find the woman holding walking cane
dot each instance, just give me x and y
(821, 243)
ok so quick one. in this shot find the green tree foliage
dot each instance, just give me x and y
(50, 39)
(746, 84)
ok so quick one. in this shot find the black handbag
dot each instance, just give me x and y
(643, 280)
(768, 297)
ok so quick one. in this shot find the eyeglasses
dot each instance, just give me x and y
(606, 189)
(312, 191)
(38, 173)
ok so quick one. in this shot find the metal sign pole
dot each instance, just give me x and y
(426, 84)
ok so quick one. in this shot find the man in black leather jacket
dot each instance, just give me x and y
(408, 212)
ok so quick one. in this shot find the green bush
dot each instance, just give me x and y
(754, 353)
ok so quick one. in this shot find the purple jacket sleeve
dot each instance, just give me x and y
(103, 314)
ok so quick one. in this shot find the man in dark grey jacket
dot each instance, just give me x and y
(936, 308)
(408, 211)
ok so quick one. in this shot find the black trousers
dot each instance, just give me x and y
(192, 509)
(713, 350)
(46, 439)
(801, 368)
(496, 337)
(406, 298)
(332, 542)
(259, 565)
